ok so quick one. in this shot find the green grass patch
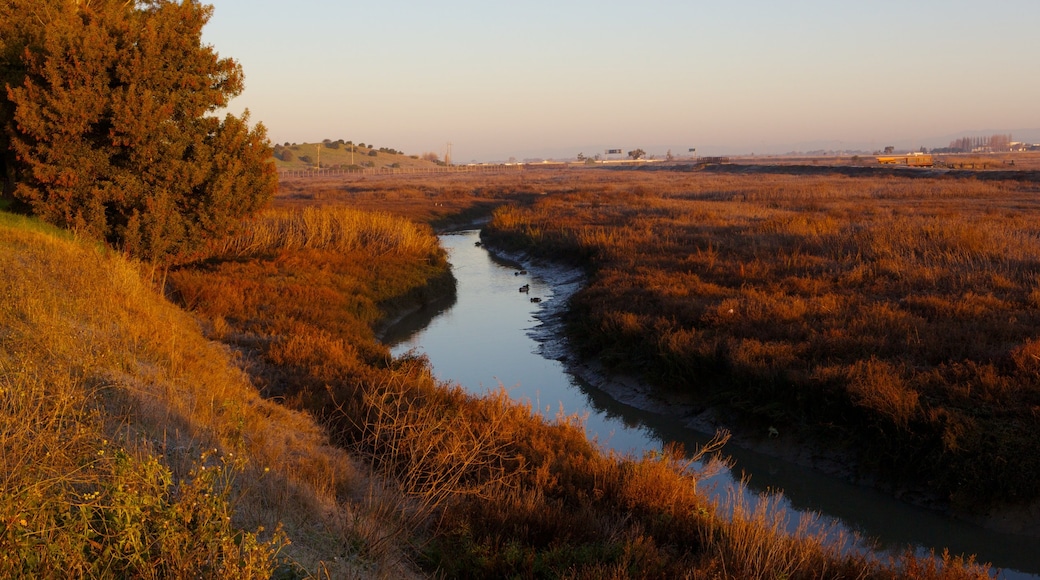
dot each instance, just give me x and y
(29, 223)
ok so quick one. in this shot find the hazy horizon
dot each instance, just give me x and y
(542, 79)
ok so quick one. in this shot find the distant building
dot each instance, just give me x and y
(915, 159)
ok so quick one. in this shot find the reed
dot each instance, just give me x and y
(334, 229)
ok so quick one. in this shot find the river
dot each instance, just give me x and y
(492, 335)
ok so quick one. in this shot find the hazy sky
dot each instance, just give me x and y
(540, 78)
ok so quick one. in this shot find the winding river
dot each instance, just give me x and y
(492, 335)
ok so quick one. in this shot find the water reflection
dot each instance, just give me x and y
(481, 339)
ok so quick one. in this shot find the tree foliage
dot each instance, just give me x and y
(111, 116)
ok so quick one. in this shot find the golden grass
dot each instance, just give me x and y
(907, 306)
(132, 446)
(334, 229)
(492, 489)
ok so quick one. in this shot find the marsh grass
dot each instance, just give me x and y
(473, 486)
(907, 307)
(332, 229)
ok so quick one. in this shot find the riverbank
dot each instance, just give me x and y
(554, 344)
(706, 420)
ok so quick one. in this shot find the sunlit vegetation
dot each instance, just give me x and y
(895, 319)
(344, 155)
(109, 126)
(492, 490)
(112, 408)
(443, 201)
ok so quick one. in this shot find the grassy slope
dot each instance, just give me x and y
(127, 438)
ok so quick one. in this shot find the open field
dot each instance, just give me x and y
(895, 318)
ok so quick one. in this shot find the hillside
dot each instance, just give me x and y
(342, 154)
(132, 446)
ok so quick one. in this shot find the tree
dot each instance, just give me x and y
(19, 33)
(115, 131)
(637, 154)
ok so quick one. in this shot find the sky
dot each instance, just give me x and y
(543, 78)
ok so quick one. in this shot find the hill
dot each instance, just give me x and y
(342, 154)
(132, 446)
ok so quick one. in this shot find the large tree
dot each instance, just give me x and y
(19, 31)
(115, 132)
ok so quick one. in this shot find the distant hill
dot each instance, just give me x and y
(344, 154)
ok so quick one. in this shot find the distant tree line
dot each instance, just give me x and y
(971, 144)
(109, 126)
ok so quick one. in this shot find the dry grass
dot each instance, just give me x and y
(132, 446)
(443, 201)
(494, 490)
(893, 315)
(332, 229)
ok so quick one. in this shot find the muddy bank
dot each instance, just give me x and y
(439, 292)
(696, 416)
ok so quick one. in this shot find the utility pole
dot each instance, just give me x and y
(447, 155)
(319, 156)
